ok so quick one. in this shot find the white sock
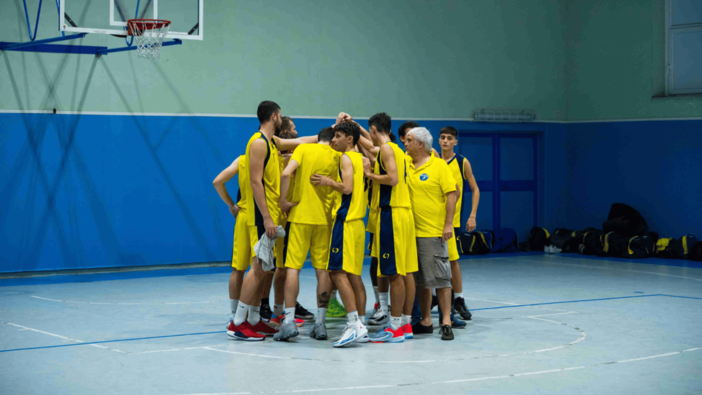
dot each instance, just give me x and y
(241, 312)
(321, 315)
(395, 322)
(233, 304)
(406, 319)
(457, 295)
(254, 315)
(352, 317)
(289, 315)
(384, 296)
(333, 294)
(375, 291)
(362, 318)
(278, 309)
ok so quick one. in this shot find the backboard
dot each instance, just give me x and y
(110, 16)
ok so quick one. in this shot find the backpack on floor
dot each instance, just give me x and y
(489, 238)
(592, 243)
(505, 241)
(661, 246)
(679, 248)
(641, 246)
(572, 245)
(538, 239)
(614, 244)
(560, 237)
(695, 252)
(625, 220)
(472, 243)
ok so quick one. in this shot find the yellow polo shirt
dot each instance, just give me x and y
(428, 187)
(315, 203)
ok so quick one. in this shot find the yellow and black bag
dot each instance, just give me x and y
(613, 244)
(679, 248)
(641, 246)
(473, 243)
(592, 243)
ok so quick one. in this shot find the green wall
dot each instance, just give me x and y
(418, 59)
(615, 62)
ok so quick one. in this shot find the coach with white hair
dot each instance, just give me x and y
(433, 194)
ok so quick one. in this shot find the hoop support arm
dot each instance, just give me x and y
(39, 42)
(133, 48)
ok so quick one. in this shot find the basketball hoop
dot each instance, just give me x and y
(149, 35)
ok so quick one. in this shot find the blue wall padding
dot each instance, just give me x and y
(654, 166)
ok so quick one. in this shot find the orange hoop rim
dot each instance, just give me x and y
(146, 24)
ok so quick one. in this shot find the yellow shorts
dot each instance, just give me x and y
(453, 248)
(346, 247)
(242, 251)
(255, 232)
(395, 242)
(302, 238)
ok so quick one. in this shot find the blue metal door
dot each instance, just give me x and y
(505, 168)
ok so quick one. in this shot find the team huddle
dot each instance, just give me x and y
(311, 195)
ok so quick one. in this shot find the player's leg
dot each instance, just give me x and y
(298, 239)
(459, 304)
(241, 328)
(241, 259)
(411, 266)
(265, 308)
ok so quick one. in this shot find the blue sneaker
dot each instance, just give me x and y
(389, 335)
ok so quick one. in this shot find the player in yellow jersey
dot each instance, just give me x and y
(346, 250)
(262, 216)
(397, 254)
(433, 193)
(308, 228)
(463, 174)
(241, 252)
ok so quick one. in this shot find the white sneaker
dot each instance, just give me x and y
(352, 333)
(379, 318)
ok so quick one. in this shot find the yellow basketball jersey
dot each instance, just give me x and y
(315, 203)
(271, 183)
(385, 195)
(456, 166)
(243, 182)
(352, 206)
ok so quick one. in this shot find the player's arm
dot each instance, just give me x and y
(366, 142)
(451, 199)
(285, 206)
(388, 157)
(367, 154)
(222, 178)
(344, 187)
(435, 152)
(468, 174)
(291, 144)
(257, 154)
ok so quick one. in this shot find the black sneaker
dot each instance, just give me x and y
(265, 312)
(446, 332)
(462, 309)
(418, 328)
(302, 313)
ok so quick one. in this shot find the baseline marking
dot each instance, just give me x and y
(506, 376)
(80, 342)
(123, 304)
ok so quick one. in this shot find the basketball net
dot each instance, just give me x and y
(149, 35)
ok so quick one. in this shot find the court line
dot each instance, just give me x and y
(564, 302)
(506, 376)
(80, 342)
(682, 297)
(123, 304)
(112, 341)
(601, 267)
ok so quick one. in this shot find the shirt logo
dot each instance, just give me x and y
(335, 250)
(386, 255)
(424, 177)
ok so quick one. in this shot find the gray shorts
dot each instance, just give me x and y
(434, 266)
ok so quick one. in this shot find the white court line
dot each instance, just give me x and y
(63, 337)
(505, 376)
(582, 337)
(122, 304)
(602, 267)
(176, 349)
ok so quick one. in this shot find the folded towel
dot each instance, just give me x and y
(264, 249)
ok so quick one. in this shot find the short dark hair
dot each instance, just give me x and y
(287, 134)
(449, 130)
(402, 131)
(265, 110)
(381, 121)
(285, 125)
(326, 134)
(392, 137)
(349, 129)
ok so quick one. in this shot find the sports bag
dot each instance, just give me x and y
(560, 237)
(625, 220)
(538, 239)
(695, 252)
(641, 246)
(679, 248)
(505, 241)
(592, 243)
(473, 243)
(572, 245)
(614, 244)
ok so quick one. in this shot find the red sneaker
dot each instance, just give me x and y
(262, 327)
(407, 330)
(244, 332)
(278, 321)
(388, 335)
